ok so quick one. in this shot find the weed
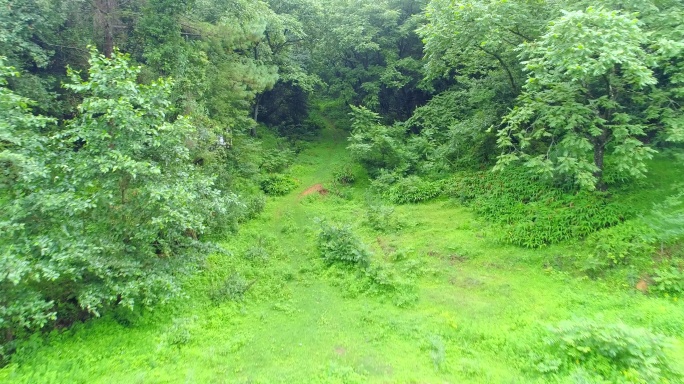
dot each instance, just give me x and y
(231, 289)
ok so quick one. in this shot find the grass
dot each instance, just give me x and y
(472, 311)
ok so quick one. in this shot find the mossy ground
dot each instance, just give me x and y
(474, 311)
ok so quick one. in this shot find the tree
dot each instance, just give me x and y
(375, 145)
(21, 168)
(476, 38)
(371, 55)
(116, 214)
(584, 76)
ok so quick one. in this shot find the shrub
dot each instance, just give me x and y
(276, 160)
(344, 174)
(412, 189)
(231, 289)
(339, 244)
(381, 218)
(179, 333)
(618, 244)
(669, 281)
(613, 352)
(278, 184)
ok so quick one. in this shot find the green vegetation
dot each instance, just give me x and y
(341, 191)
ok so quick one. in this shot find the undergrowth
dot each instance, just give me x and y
(614, 353)
(531, 213)
(341, 248)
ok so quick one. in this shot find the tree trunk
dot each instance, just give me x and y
(599, 154)
(257, 102)
(104, 19)
(505, 67)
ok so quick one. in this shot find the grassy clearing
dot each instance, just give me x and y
(455, 307)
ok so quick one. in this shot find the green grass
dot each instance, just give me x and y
(476, 313)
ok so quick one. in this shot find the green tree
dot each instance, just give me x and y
(374, 144)
(117, 212)
(476, 38)
(21, 168)
(583, 75)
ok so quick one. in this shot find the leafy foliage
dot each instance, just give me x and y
(376, 145)
(669, 281)
(278, 184)
(533, 214)
(613, 352)
(115, 214)
(232, 288)
(339, 244)
(381, 218)
(582, 74)
(411, 189)
(344, 174)
(619, 245)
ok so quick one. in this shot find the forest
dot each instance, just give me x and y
(341, 191)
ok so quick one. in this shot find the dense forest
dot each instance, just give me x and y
(342, 191)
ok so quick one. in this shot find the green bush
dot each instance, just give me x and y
(231, 289)
(108, 211)
(613, 352)
(179, 333)
(411, 189)
(277, 160)
(339, 244)
(252, 206)
(344, 174)
(381, 218)
(531, 213)
(278, 184)
(619, 244)
(668, 281)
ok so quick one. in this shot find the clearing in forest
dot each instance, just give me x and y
(442, 303)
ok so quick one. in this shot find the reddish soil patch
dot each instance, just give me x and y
(642, 286)
(318, 188)
(340, 350)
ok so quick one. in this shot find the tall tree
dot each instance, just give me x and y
(115, 214)
(583, 74)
